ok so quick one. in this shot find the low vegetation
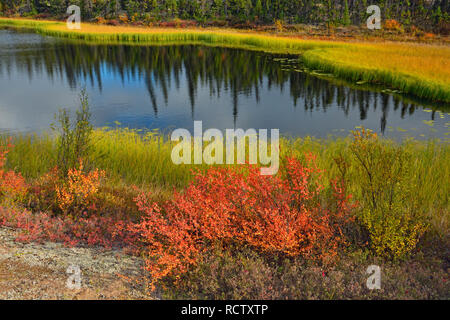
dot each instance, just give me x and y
(276, 216)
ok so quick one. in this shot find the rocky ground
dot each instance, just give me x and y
(39, 271)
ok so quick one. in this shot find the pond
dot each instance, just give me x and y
(168, 87)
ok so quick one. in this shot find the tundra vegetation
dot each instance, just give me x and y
(335, 207)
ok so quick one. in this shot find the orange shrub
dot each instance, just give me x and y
(392, 24)
(124, 18)
(13, 187)
(275, 215)
(78, 192)
(100, 20)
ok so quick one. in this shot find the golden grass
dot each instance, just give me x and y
(422, 70)
(428, 61)
(419, 69)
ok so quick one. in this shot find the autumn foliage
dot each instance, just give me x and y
(79, 190)
(275, 215)
(12, 185)
(392, 25)
(91, 231)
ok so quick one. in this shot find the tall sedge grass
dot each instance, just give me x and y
(420, 70)
(430, 165)
(145, 157)
(33, 154)
(128, 156)
(138, 158)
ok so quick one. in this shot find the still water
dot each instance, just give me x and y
(168, 87)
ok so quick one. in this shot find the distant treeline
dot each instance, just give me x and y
(425, 14)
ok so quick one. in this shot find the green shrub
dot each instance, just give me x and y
(74, 139)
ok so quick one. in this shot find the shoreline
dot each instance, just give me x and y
(351, 61)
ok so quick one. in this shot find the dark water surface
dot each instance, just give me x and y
(170, 86)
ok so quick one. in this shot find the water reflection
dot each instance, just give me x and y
(195, 82)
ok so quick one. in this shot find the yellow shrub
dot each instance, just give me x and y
(389, 208)
(279, 25)
(393, 235)
(77, 193)
(124, 18)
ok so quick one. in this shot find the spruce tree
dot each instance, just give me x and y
(259, 9)
(346, 19)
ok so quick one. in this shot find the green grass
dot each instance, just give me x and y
(139, 157)
(419, 70)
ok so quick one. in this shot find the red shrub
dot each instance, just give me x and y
(92, 231)
(274, 215)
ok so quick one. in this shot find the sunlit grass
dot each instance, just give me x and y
(419, 69)
(423, 70)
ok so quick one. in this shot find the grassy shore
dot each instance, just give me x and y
(416, 69)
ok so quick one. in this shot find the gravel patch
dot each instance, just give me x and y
(39, 271)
